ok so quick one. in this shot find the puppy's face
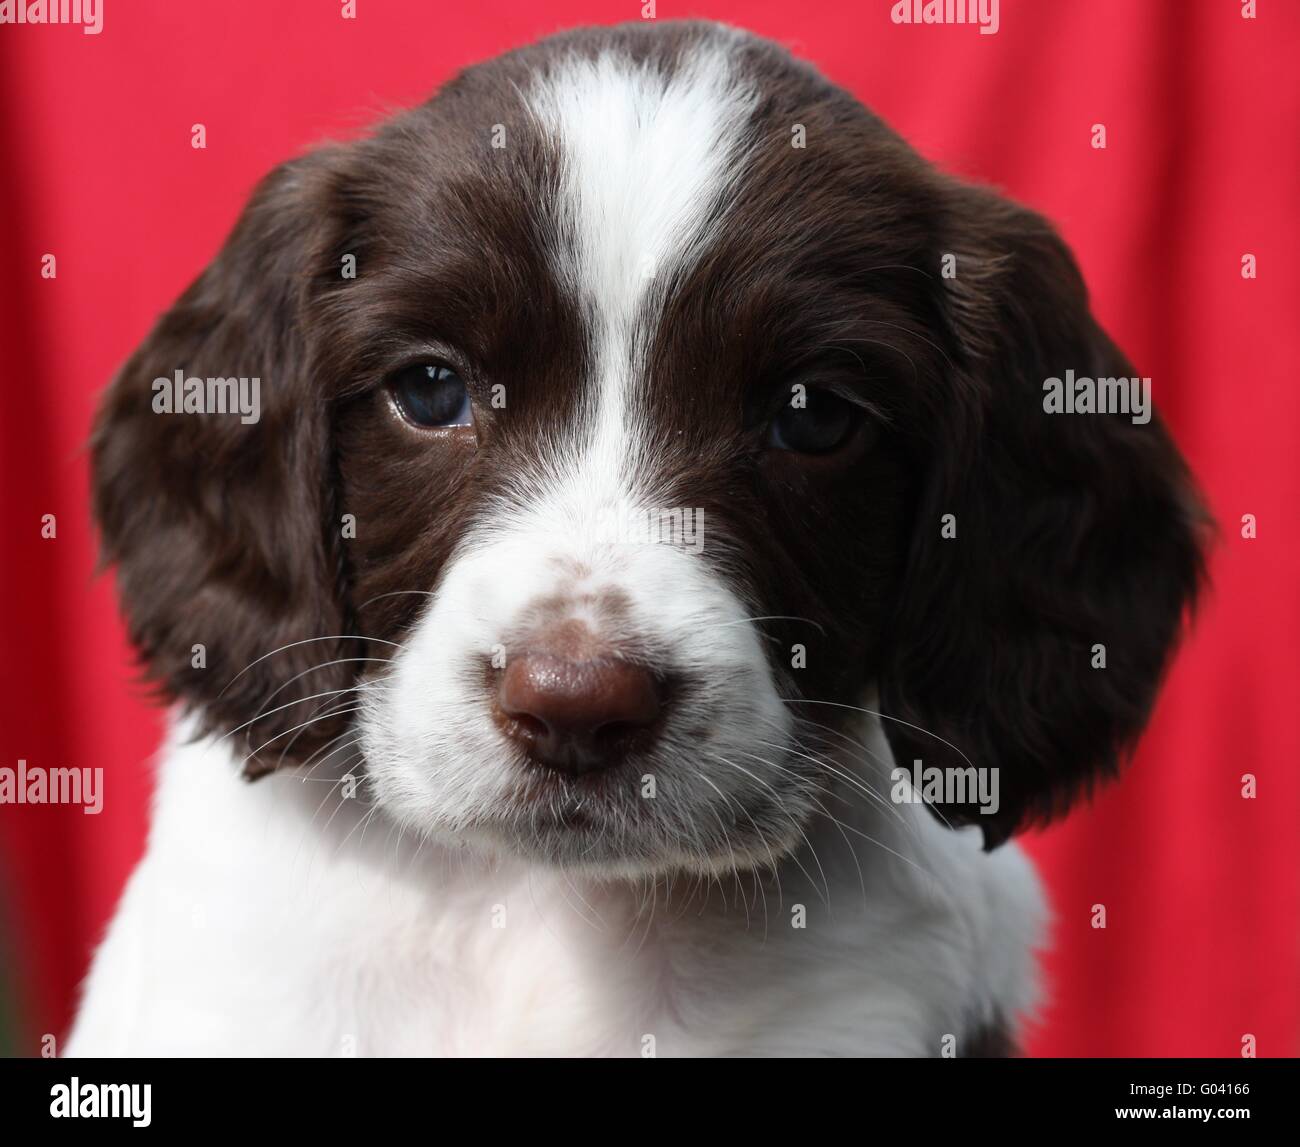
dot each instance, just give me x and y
(587, 510)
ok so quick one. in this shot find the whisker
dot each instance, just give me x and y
(396, 593)
(876, 758)
(771, 617)
(882, 716)
(938, 812)
(820, 806)
(305, 724)
(306, 641)
(323, 665)
(322, 712)
(858, 832)
(287, 705)
(726, 836)
(854, 782)
(308, 775)
(825, 895)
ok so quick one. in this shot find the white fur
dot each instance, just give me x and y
(263, 921)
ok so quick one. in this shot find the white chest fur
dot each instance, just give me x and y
(273, 919)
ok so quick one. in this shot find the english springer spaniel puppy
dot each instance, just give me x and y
(655, 488)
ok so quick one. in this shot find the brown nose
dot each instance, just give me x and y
(576, 714)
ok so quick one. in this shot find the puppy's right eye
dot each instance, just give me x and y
(430, 394)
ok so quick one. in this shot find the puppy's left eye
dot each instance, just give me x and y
(429, 394)
(823, 422)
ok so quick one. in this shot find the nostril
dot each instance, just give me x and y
(617, 732)
(529, 725)
(625, 697)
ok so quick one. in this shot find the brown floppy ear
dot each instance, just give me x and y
(1072, 531)
(224, 530)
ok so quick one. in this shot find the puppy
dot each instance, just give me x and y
(654, 457)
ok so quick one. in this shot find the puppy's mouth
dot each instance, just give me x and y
(613, 821)
(591, 800)
(574, 799)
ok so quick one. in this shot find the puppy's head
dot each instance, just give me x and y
(628, 412)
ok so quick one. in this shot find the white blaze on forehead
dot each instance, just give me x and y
(649, 161)
(648, 158)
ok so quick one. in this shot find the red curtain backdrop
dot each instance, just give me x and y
(1201, 167)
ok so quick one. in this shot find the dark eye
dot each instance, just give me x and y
(813, 422)
(429, 394)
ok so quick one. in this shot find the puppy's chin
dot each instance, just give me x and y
(597, 850)
(609, 831)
